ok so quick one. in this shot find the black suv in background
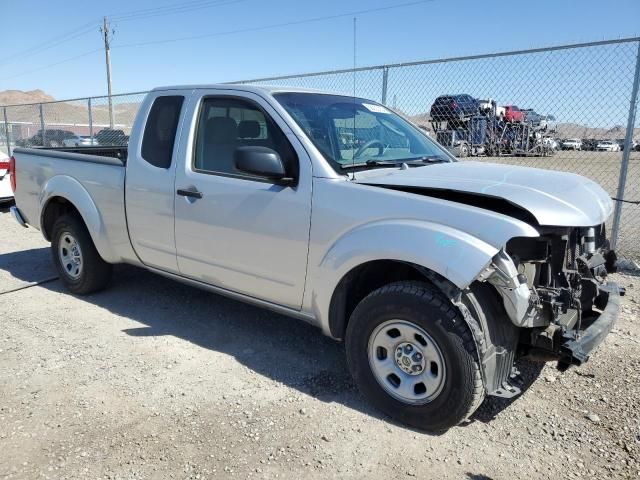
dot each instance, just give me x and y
(589, 144)
(109, 136)
(454, 107)
(532, 117)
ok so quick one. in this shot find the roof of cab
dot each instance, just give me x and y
(269, 89)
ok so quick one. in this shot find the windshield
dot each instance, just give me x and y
(353, 131)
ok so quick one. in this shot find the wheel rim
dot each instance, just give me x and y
(406, 361)
(70, 255)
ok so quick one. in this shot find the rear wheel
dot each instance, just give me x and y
(413, 356)
(79, 264)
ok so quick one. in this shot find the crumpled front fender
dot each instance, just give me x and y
(455, 255)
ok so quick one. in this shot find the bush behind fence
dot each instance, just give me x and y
(585, 92)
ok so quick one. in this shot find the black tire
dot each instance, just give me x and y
(96, 273)
(425, 306)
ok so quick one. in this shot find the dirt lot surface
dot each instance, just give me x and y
(153, 379)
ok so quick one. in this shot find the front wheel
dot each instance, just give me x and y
(79, 264)
(413, 356)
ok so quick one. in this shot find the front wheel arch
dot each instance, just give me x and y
(360, 281)
(479, 304)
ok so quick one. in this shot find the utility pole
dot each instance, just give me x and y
(107, 33)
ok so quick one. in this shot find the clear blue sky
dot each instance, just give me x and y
(425, 30)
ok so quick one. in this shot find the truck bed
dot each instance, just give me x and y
(119, 153)
(91, 178)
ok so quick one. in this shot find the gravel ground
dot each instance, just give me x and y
(153, 379)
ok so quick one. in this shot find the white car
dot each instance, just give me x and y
(79, 141)
(608, 146)
(6, 194)
(572, 144)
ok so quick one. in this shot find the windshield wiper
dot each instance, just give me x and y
(393, 163)
(423, 159)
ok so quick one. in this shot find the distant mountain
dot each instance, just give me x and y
(16, 97)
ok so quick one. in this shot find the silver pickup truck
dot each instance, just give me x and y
(438, 274)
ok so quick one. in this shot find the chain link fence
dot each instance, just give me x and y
(70, 123)
(570, 108)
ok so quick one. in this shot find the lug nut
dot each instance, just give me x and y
(408, 349)
(417, 368)
(417, 357)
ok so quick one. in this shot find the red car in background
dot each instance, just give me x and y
(513, 114)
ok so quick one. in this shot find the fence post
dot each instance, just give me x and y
(42, 125)
(90, 119)
(628, 145)
(385, 79)
(6, 131)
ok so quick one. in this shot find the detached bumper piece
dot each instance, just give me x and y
(18, 216)
(6, 203)
(578, 345)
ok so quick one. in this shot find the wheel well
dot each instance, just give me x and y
(55, 208)
(360, 282)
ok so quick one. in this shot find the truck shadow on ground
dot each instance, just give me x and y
(283, 349)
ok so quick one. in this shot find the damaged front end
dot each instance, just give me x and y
(554, 288)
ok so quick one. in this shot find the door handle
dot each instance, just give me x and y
(189, 193)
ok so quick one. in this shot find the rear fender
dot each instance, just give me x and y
(72, 190)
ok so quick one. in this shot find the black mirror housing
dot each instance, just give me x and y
(261, 161)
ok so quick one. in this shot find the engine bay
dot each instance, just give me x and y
(566, 272)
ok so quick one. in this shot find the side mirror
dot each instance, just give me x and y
(261, 161)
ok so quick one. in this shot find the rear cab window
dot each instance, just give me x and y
(160, 130)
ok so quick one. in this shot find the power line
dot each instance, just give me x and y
(229, 32)
(275, 25)
(53, 64)
(53, 42)
(144, 11)
(171, 9)
(88, 27)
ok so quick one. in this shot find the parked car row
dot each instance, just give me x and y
(596, 145)
(468, 126)
(461, 107)
(56, 138)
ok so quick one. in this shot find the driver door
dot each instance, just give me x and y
(237, 231)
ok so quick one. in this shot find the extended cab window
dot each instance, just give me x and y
(228, 123)
(160, 131)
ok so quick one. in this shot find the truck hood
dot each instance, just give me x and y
(553, 198)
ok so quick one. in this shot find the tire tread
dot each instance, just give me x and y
(455, 324)
(96, 272)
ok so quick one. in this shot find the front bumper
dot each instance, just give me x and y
(578, 345)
